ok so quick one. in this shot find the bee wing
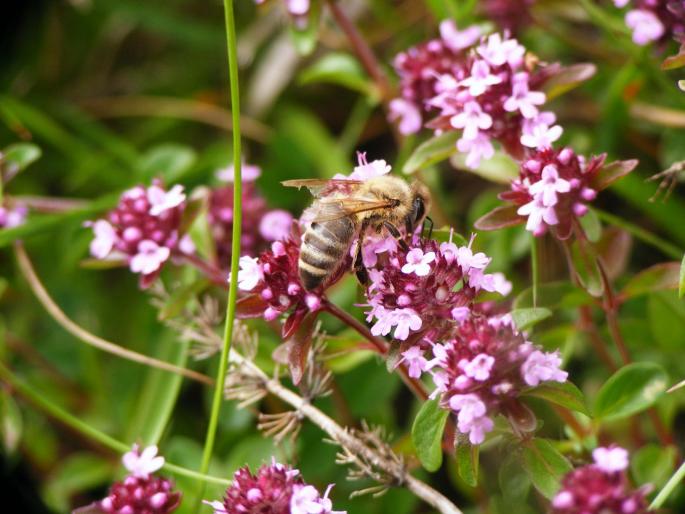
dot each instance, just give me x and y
(328, 209)
(323, 187)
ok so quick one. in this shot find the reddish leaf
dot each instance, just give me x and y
(298, 346)
(610, 173)
(568, 78)
(500, 217)
(252, 306)
(614, 249)
(675, 61)
(659, 277)
(292, 323)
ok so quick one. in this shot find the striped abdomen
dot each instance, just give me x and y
(323, 248)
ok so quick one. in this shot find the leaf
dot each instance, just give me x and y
(553, 295)
(251, 306)
(180, 298)
(19, 156)
(168, 160)
(659, 277)
(500, 168)
(514, 484)
(666, 314)
(74, 474)
(631, 389)
(431, 152)
(653, 464)
(591, 226)
(565, 394)
(674, 61)
(342, 69)
(545, 466)
(681, 285)
(11, 423)
(526, 318)
(567, 78)
(467, 461)
(426, 434)
(612, 172)
(614, 250)
(298, 345)
(498, 218)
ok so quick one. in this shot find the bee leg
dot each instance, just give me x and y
(359, 268)
(396, 234)
(428, 221)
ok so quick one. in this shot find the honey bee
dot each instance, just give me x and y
(345, 209)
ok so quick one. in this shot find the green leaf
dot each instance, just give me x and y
(500, 168)
(612, 172)
(433, 151)
(526, 318)
(168, 160)
(666, 314)
(681, 285)
(20, 155)
(567, 78)
(514, 484)
(653, 464)
(545, 466)
(660, 277)
(631, 389)
(467, 462)
(565, 394)
(591, 226)
(75, 474)
(342, 69)
(11, 423)
(675, 61)
(426, 434)
(179, 299)
(553, 295)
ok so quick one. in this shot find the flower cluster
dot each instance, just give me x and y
(297, 9)
(260, 225)
(12, 215)
(420, 291)
(140, 492)
(487, 91)
(553, 188)
(600, 487)
(274, 489)
(655, 20)
(143, 229)
(480, 370)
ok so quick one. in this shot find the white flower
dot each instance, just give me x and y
(149, 258)
(249, 274)
(161, 200)
(408, 114)
(418, 262)
(248, 173)
(610, 460)
(646, 26)
(141, 465)
(105, 236)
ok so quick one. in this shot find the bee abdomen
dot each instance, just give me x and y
(323, 248)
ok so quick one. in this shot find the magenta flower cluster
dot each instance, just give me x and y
(12, 215)
(419, 292)
(601, 487)
(143, 229)
(260, 226)
(140, 492)
(487, 91)
(480, 370)
(553, 189)
(274, 489)
(655, 20)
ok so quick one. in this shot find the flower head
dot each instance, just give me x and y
(654, 21)
(142, 464)
(12, 215)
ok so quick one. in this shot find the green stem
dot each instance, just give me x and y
(534, 268)
(235, 242)
(672, 483)
(85, 429)
(644, 235)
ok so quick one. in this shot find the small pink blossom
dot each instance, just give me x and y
(549, 185)
(539, 215)
(408, 114)
(218, 506)
(480, 79)
(12, 216)
(374, 246)
(542, 367)
(276, 225)
(418, 262)
(416, 362)
(471, 120)
(646, 26)
(406, 320)
(497, 51)
(611, 459)
(141, 465)
(105, 237)
(479, 367)
(297, 8)
(621, 3)
(248, 173)
(161, 200)
(539, 134)
(250, 273)
(149, 258)
(459, 314)
(385, 320)
(467, 259)
(456, 39)
(522, 99)
(366, 170)
(478, 148)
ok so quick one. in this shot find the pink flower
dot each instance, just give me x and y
(522, 99)
(276, 225)
(161, 200)
(406, 320)
(416, 362)
(455, 39)
(418, 262)
(539, 215)
(480, 79)
(248, 173)
(467, 259)
(610, 460)
(297, 8)
(366, 170)
(621, 3)
(385, 320)
(498, 52)
(471, 120)
(149, 258)
(479, 367)
(477, 149)
(542, 367)
(142, 464)
(646, 26)
(539, 134)
(374, 246)
(549, 185)
(408, 114)
(105, 237)
(250, 273)
(12, 216)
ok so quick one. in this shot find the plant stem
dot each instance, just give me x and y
(235, 242)
(672, 483)
(76, 330)
(85, 429)
(534, 268)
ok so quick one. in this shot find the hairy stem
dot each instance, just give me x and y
(235, 242)
(76, 330)
(85, 429)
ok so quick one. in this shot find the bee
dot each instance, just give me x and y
(346, 209)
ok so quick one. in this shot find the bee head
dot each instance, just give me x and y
(421, 201)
